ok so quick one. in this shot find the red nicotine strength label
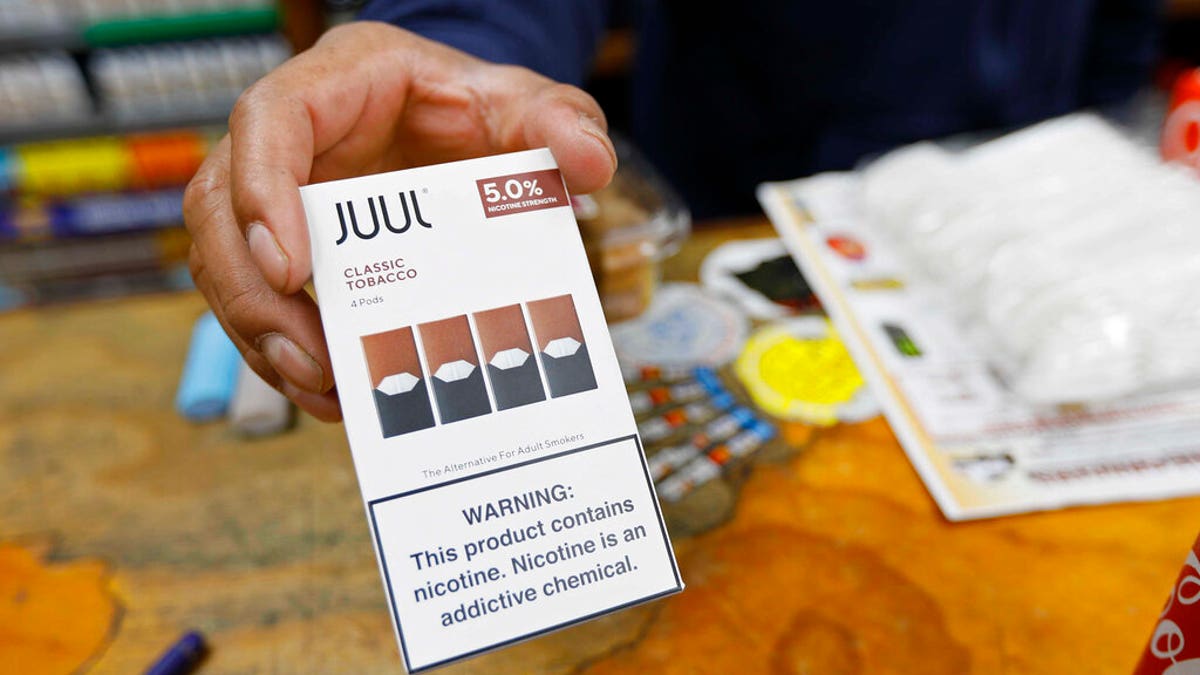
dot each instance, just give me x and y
(522, 192)
(505, 483)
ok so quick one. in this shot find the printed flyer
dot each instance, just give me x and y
(981, 450)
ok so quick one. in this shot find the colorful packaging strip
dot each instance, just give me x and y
(33, 219)
(663, 426)
(8, 225)
(8, 170)
(709, 379)
(104, 164)
(120, 212)
(165, 159)
(66, 167)
(681, 392)
(655, 374)
(718, 430)
(701, 382)
(710, 465)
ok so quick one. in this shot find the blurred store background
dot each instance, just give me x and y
(107, 107)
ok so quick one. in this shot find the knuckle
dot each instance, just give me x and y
(196, 194)
(243, 306)
(203, 195)
(196, 264)
(244, 107)
(257, 101)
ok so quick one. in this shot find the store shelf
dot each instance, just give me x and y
(141, 30)
(104, 125)
(41, 39)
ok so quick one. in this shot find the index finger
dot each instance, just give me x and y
(277, 128)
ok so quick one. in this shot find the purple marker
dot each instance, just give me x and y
(182, 657)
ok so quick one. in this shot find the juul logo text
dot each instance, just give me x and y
(380, 217)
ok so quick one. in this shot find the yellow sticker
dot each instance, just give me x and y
(800, 370)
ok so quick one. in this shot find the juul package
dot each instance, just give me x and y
(504, 480)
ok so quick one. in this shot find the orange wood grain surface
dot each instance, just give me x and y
(121, 526)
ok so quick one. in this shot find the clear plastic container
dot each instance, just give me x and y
(628, 228)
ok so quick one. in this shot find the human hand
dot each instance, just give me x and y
(368, 97)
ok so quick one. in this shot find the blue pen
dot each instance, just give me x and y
(182, 657)
(209, 373)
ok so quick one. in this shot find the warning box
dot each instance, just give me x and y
(492, 559)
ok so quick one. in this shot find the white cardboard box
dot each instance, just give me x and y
(496, 451)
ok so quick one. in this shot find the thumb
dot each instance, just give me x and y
(539, 112)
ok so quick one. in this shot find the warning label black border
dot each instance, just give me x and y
(541, 631)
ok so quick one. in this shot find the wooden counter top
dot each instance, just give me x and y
(122, 525)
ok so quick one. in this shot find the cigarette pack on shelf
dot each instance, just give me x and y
(52, 270)
(41, 87)
(78, 25)
(181, 79)
(86, 218)
(628, 228)
(54, 89)
(52, 169)
(107, 109)
(36, 24)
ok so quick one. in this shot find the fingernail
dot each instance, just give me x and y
(591, 127)
(324, 407)
(268, 256)
(293, 363)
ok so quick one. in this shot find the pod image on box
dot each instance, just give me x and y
(401, 395)
(561, 347)
(511, 366)
(457, 379)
